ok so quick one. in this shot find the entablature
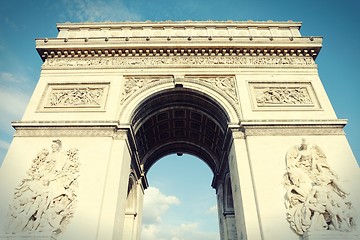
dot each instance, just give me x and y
(165, 39)
(155, 46)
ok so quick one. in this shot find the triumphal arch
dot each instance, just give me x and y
(113, 98)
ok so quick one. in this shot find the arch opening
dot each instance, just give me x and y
(179, 202)
(181, 121)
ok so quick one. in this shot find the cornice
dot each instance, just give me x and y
(18, 124)
(279, 122)
(159, 24)
(71, 129)
(178, 46)
(293, 127)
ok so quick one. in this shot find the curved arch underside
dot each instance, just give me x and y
(180, 121)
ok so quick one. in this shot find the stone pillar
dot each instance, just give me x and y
(231, 229)
(133, 213)
(111, 219)
(246, 211)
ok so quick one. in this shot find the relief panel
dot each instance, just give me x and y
(75, 97)
(45, 200)
(314, 199)
(283, 96)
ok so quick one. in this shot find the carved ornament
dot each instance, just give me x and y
(134, 84)
(223, 84)
(282, 96)
(67, 96)
(314, 199)
(45, 201)
(177, 61)
(76, 97)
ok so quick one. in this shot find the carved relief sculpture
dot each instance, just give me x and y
(76, 97)
(45, 200)
(314, 199)
(133, 84)
(158, 61)
(282, 95)
(225, 84)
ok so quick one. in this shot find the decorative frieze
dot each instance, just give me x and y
(178, 61)
(68, 96)
(45, 200)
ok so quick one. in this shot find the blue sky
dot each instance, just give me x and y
(339, 68)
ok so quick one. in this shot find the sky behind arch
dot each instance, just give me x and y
(23, 21)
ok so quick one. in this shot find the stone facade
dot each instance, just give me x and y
(242, 96)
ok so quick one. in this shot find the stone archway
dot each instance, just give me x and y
(113, 98)
(182, 120)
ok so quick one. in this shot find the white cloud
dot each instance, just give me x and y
(185, 231)
(98, 10)
(156, 204)
(212, 210)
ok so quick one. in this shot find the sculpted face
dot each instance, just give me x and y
(56, 146)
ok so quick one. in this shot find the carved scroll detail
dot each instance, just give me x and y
(76, 97)
(314, 199)
(133, 84)
(226, 84)
(282, 95)
(46, 198)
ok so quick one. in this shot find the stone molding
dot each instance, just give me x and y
(117, 131)
(70, 129)
(287, 128)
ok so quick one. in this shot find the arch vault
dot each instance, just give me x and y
(244, 97)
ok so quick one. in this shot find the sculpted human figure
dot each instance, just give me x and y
(45, 199)
(300, 156)
(300, 183)
(321, 200)
(314, 199)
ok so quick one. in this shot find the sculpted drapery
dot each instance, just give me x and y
(46, 198)
(314, 199)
